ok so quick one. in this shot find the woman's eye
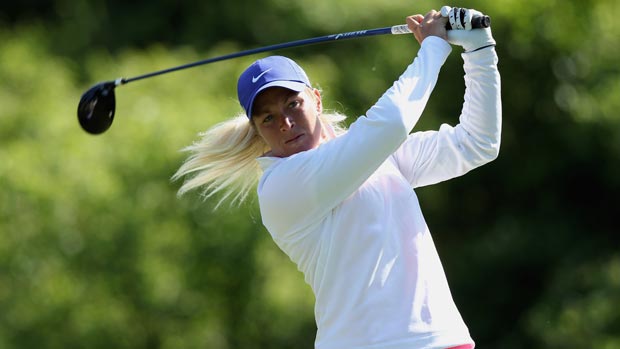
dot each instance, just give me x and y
(267, 118)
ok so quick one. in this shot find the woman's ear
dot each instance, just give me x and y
(319, 103)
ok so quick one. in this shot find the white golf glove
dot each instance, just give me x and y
(463, 35)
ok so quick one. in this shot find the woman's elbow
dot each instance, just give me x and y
(491, 151)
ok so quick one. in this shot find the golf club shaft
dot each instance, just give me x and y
(396, 29)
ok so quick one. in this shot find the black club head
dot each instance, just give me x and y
(96, 108)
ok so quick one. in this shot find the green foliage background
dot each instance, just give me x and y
(96, 250)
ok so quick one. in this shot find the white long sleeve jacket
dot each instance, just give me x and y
(347, 215)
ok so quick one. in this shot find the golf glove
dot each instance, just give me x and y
(463, 35)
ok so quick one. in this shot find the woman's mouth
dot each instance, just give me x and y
(292, 140)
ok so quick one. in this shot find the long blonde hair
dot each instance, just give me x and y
(223, 160)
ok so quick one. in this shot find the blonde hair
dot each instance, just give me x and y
(224, 162)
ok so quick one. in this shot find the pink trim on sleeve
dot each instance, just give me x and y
(464, 346)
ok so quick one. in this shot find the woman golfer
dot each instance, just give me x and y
(340, 202)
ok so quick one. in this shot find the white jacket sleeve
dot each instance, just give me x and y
(299, 190)
(434, 156)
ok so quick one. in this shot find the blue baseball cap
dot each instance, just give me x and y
(269, 72)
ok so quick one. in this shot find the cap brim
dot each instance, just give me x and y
(291, 85)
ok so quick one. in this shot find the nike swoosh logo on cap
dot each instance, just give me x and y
(255, 79)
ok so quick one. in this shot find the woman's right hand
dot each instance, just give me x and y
(432, 24)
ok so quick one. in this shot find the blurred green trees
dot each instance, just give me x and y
(96, 251)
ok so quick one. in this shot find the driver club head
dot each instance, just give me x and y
(96, 108)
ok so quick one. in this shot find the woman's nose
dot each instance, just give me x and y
(287, 123)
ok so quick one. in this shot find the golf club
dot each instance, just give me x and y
(97, 105)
